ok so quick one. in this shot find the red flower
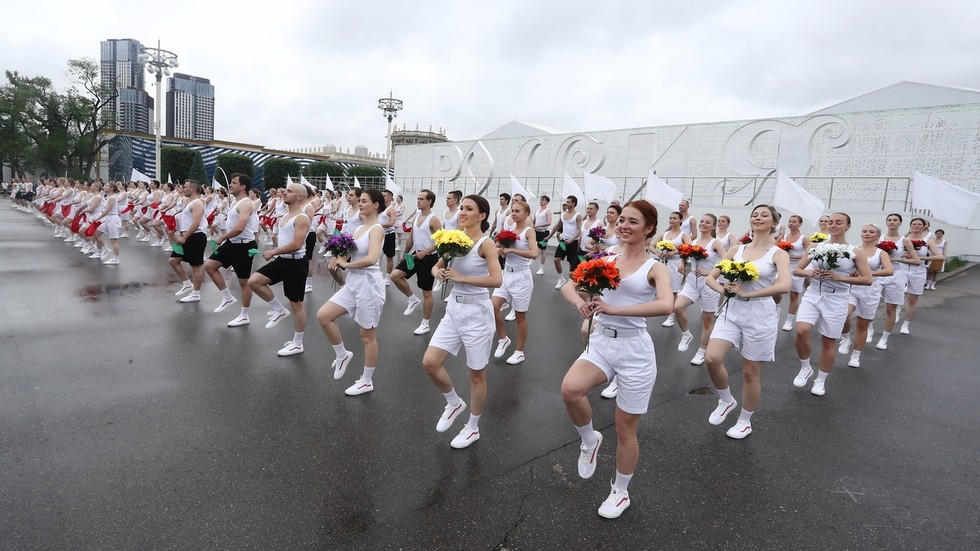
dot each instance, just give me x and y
(785, 245)
(746, 239)
(687, 250)
(506, 238)
(888, 246)
(918, 243)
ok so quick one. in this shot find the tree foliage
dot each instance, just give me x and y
(231, 163)
(176, 162)
(275, 171)
(368, 176)
(197, 169)
(320, 169)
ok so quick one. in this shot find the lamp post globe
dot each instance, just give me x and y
(158, 63)
(389, 107)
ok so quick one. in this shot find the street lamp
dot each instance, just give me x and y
(158, 62)
(389, 107)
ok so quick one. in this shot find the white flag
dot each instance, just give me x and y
(215, 184)
(391, 186)
(357, 184)
(517, 188)
(169, 181)
(948, 202)
(329, 184)
(659, 193)
(138, 176)
(305, 183)
(289, 180)
(599, 188)
(571, 188)
(791, 197)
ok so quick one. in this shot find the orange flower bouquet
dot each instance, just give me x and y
(592, 277)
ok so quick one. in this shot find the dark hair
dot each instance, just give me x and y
(112, 187)
(243, 179)
(376, 197)
(798, 217)
(429, 195)
(484, 206)
(357, 191)
(678, 213)
(573, 199)
(457, 194)
(895, 214)
(506, 196)
(773, 212)
(617, 208)
(940, 230)
(923, 220)
(594, 204)
(714, 218)
(523, 199)
(198, 188)
(171, 186)
(845, 215)
(389, 192)
(546, 198)
(647, 211)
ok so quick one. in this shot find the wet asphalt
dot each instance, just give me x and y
(130, 421)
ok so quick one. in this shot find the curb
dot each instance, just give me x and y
(961, 270)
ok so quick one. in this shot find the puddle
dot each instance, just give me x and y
(96, 293)
(703, 391)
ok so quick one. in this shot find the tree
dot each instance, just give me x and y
(320, 169)
(368, 176)
(176, 161)
(232, 163)
(86, 113)
(197, 169)
(275, 170)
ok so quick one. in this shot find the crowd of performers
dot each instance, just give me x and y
(211, 230)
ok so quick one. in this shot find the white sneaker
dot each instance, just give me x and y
(588, 457)
(449, 415)
(512, 316)
(124, 234)
(721, 411)
(669, 322)
(291, 348)
(359, 387)
(845, 345)
(308, 289)
(193, 297)
(465, 437)
(501, 347)
(610, 391)
(905, 328)
(413, 303)
(422, 329)
(698, 358)
(540, 271)
(111, 261)
(882, 344)
(802, 376)
(436, 286)
(168, 249)
(561, 281)
(276, 318)
(854, 362)
(615, 504)
(817, 389)
(685, 343)
(225, 303)
(340, 364)
(788, 326)
(239, 321)
(871, 335)
(516, 358)
(740, 430)
(184, 289)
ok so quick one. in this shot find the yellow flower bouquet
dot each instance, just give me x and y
(735, 271)
(451, 244)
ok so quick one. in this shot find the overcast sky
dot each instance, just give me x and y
(296, 73)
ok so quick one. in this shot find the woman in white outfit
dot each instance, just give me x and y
(925, 249)
(696, 289)
(362, 297)
(936, 267)
(749, 320)
(864, 300)
(824, 305)
(619, 346)
(111, 224)
(517, 285)
(893, 287)
(469, 320)
(673, 260)
(724, 236)
(800, 245)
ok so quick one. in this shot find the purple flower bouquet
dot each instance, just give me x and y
(340, 245)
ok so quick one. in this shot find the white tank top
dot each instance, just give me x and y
(502, 216)
(287, 233)
(471, 265)
(451, 223)
(421, 233)
(798, 247)
(384, 218)
(712, 259)
(845, 266)
(633, 289)
(897, 253)
(187, 217)
(352, 221)
(113, 209)
(568, 227)
(362, 245)
(686, 225)
(251, 225)
(541, 219)
(281, 209)
(767, 269)
(515, 261)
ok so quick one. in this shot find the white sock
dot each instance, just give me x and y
(474, 421)
(791, 319)
(368, 373)
(702, 350)
(425, 321)
(622, 480)
(245, 310)
(885, 334)
(745, 415)
(726, 395)
(298, 337)
(339, 350)
(276, 305)
(413, 298)
(185, 283)
(587, 433)
(821, 376)
(855, 354)
(452, 398)
(805, 363)
(686, 334)
(309, 282)
(226, 294)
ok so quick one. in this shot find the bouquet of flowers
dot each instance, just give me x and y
(340, 245)
(696, 252)
(785, 245)
(735, 271)
(819, 237)
(828, 255)
(592, 277)
(746, 239)
(506, 239)
(918, 243)
(597, 234)
(451, 244)
(665, 247)
(887, 246)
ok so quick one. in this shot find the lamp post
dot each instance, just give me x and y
(158, 63)
(389, 107)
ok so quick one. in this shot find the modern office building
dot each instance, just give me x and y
(190, 107)
(133, 107)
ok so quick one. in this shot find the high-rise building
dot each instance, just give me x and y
(133, 106)
(190, 107)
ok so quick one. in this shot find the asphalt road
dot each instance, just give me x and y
(130, 421)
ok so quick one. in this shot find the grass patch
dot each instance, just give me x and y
(955, 262)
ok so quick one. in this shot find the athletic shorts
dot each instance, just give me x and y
(291, 272)
(112, 227)
(363, 296)
(631, 360)
(310, 245)
(516, 288)
(422, 269)
(467, 325)
(695, 289)
(893, 286)
(751, 326)
(389, 245)
(236, 255)
(673, 265)
(916, 279)
(570, 252)
(865, 299)
(193, 249)
(825, 311)
(541, 235)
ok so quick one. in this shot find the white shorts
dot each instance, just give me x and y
(468, 325)
(916, 279)
(751, 326)
(893, 286)
(675, 277)
(516, 288)
(127, 216)
(696, 289)
(632, 360)
(111, 226)
(866, 299)
(796, 286)
(363, 296)
(826, 312)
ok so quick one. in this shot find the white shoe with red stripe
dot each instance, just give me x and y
(588, 457)
(359, 387)
(465, 437)
(291, 348)
(449, 415)
(717, 416)
(740, 430)
(615, 504)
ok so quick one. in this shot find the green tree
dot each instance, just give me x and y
(231, 163)
(275, 170)
(176, 162)
(368, 176)
(197, 169)
(320, 169)
(86, 115)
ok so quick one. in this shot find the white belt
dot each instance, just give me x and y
(518, 269)
(363, 271)
(293, 256)
(470, 299)
(620, 333)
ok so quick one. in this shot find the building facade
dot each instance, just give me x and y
(133, 108)
(190, 107)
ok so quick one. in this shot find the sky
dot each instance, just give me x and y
(297, 73)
